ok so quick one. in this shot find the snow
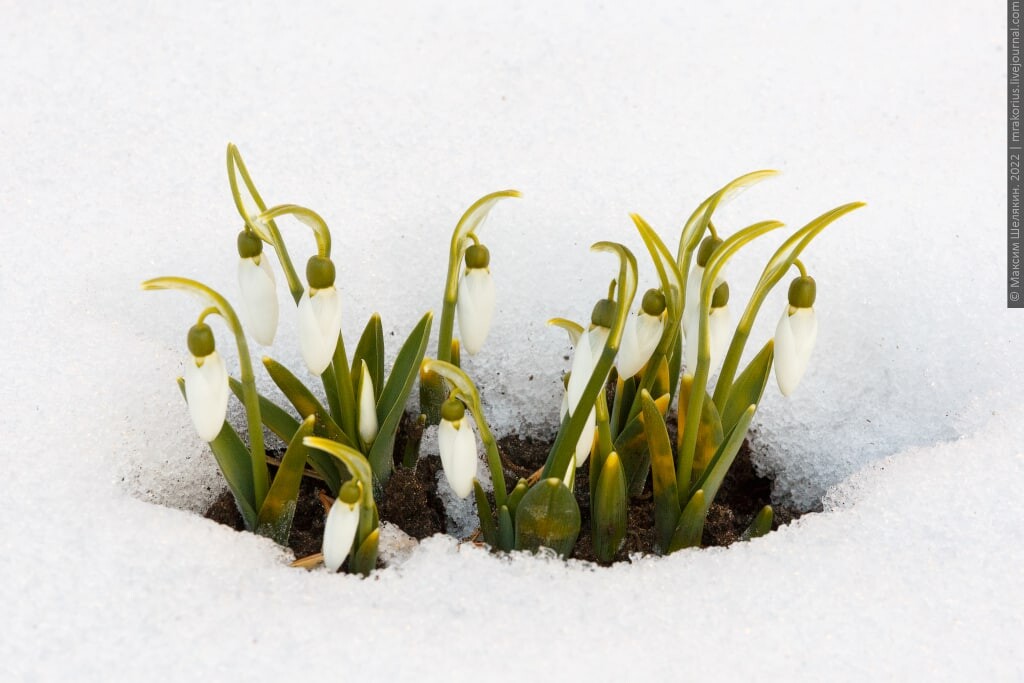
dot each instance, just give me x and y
(390, 121)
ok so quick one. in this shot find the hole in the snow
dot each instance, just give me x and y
(411, 501)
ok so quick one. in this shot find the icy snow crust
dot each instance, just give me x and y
(389, 122)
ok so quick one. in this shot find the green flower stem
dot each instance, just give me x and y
(338, 375)
(572, 426)
(780, 262)
(236, 167)
(467, 225)
(725, 251)
(465, 387)
(310, 218)
(250, 398)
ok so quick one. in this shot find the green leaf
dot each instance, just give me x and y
(516, 496)
(365, 559)
(749, 386)
(304, 401)
(691, 524)
(274, 416)
(714, 475)
(393, 397)
(709, 431)
(371, 349)
(608, 515)
(506, 531)
(549, 517)
(483, 511)
(235, 464)
(675, 364)
(663, 471)
(275, 518)
(631, 445)
(761, 525)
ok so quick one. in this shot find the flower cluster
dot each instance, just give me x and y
(630, 365)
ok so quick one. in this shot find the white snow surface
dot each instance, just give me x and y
(389, 120)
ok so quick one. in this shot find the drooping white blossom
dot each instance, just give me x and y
(206, 390)
(259, 297)
(795, 336)
(475, 308)
(319, 326)
(457, 446)
(340, 530)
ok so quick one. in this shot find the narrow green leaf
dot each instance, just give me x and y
(663, 471)
(691, 524)
(506, 531)
(714, 475)
(709, 434)
(749, 386)
(275, 518)
(392, 399)
(304, 400)
(274, 416)
(235, 464)
(761, 524)
(371, 349)
(549, 517)
(608, 514)
(365, 559)
(483, 512)
(675, 364)
(516, 496)
(631, 445)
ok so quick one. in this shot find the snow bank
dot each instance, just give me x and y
(389, 123)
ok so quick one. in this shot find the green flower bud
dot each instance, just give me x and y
(453, 410)
(249, 244)
(802, 291)
(706, 248)
(477, 256)
(653, 302)
(320, 272)
(604, 313)
(721, 296)
(200, 340)
(349, 492)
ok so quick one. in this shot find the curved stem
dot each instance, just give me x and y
(250, 398)
(800, 266)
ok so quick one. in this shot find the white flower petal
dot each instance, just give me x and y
(795, 336)
(368, 425)
(339, 533)
(639, 339)
(206, 389)
(259, 298)
(721, 335)
(457, 446)
(475, 308)
(692, 303)
(586, 440)
(582, 366)
(319, 327)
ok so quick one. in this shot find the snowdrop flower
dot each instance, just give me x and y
(795, 335)
(368, 425)
(691, 307)
(720, 330)
(584, 360)
(319, 315)
(641, 335)
(206, 383)
(341, 525)
(259, 291)
(457, 447)
(475, 303)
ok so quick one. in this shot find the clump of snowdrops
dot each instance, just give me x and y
(634, 359)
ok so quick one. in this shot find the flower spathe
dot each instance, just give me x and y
(259, 297)
(368, 425)
(475, 308)
(457, 446)
(795, 336)
(206, 390)
(319, 326)
(340, 532)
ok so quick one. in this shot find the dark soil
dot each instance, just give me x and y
(410, 500)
